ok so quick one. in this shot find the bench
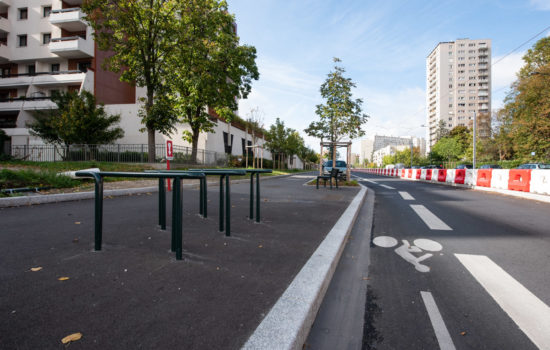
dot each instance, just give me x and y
(333, 174)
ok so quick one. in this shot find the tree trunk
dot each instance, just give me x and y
(194, 146)
(150, 131)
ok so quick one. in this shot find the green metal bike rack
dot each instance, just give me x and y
(177, 217)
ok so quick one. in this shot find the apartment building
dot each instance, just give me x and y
(371, 145)
(46, 45)
(458, 84)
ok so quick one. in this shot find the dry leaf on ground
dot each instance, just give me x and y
(63, 278)
(77, 223)
(34, 269)
(71, 337)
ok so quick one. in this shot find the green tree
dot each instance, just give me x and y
(462, 134)
(78, 119)
(276, 139)
(527, 106)
(441, 130)
(141, 34)
(448, 148)
(209, 68)
(341, 116)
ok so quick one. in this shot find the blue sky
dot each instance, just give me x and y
(383, 46)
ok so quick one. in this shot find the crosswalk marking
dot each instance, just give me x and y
(429, 218)
(441, 332)
(388, 187)
(406, 196)
(530, 314)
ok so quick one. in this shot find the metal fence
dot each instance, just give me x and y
(115, 153)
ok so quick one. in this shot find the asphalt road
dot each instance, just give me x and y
(450, 268)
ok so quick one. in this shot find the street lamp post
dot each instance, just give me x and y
(475, 129)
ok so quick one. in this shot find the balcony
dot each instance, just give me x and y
(483, 93)
(42, 79)
(72, 47)
(5, 3)
(26, 103)
(5, 25)
(74, 2)
(69, 19)
(5, 53)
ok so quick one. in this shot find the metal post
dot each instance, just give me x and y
(162, 204)
(174, 224)
(251, 216)
(98, 211)
(411, 152)
(221, 203)
(201, 198)
(205, 200)
(475, 129)
(178, 214)
(118, 153)
(257, 197)
(227, 207)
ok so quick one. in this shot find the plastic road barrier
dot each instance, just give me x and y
(441, 175)
(499, 179)
(540, 181)
(460, 176)
(470, 178)
(450, 178)
(484, 177)
(519, 180)
(428, 174)
(418, 173)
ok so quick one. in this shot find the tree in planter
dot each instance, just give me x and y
(341, 116)
(210, 69)
(276, 138)
(77, 120)
(448, 148)
(141, 34)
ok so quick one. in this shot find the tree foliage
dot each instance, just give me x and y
(526, 114)
(78, 119)
(341, 116)
(448, 148)
(285, 142)
(141, 34)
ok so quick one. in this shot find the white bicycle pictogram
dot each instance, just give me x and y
(407, 251)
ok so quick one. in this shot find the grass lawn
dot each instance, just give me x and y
(20, 174)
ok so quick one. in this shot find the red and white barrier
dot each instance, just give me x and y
(540, 181)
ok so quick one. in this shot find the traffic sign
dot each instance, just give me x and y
(169, 150)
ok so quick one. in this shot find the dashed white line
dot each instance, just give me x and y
(530, 314)
(441, 332)
(388, 187)
(429, 218)
(372, 182)
(406, 196)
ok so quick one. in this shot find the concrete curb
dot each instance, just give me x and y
(288, 323)
(66, 197)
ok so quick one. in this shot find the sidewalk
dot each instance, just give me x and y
(134, 294)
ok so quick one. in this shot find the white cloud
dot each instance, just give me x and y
(503, 75)
(543, 5)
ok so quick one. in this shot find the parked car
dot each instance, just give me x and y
(340, 165)
(399, 166)
(490, 166)
(464, 166)
(534, 166)
(415, 167)
(432, 166)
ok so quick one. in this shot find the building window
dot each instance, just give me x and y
(23, 13)
(46, 11)
(31, 69)
(46, 38)
(22, 40)
(55, 67)
(84, 66)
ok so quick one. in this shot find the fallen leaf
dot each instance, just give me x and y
(366, 278)
(75, 240)
(217, 268)
(71, 337)
(77, 222)
(462, 333)
(63, 278)
(260, 246)
(34, 269)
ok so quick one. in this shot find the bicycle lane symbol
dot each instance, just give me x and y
(407, 251)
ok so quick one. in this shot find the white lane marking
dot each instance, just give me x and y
(530, 314)
(385, 241)
(406, 196)
(428, 244)
(441, 332)
(429, 218)
(372, 182)
(388, 187)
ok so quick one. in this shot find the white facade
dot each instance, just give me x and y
(371, 145)
(458, 84)
(389, 150)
